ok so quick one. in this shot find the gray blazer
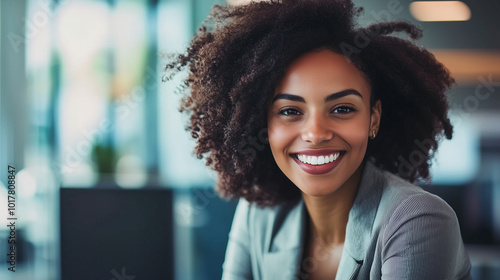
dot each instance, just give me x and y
(395, 230)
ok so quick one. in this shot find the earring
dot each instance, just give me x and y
(373, 134)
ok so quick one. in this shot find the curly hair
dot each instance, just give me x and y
(240, 54)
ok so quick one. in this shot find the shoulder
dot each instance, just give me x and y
(393, 198)
(410, 213)
(416, 229)
(401, 199)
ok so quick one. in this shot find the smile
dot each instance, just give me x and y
(318, 160)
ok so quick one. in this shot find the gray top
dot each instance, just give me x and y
(396, 230)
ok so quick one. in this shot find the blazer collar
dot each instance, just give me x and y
(360, 223)
(282, 261)
(284, 256)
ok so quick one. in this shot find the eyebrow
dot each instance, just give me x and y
(333, 96)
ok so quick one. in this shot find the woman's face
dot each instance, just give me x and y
(319, 122)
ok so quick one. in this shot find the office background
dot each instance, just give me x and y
(83, 107)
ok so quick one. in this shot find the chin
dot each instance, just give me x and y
(318, 189)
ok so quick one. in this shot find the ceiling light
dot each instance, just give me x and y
(440, 11)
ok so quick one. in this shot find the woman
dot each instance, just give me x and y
(312, 122)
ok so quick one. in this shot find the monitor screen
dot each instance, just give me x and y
(116, 234)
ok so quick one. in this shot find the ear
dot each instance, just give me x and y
(375, 117)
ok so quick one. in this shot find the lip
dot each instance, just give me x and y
(318, 152)
(318, 169)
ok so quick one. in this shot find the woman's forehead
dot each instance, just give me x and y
(322, 70)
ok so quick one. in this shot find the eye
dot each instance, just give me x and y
(289, 112)
(343, 110)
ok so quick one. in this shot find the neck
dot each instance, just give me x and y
(329, 214)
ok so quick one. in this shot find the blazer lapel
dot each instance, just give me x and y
(281, 265)
(348, 267)
(282, 261)
(360, 223)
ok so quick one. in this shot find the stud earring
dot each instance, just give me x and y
(373, 134)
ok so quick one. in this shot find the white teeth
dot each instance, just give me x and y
(314, 160)
(321, 160)
(336, 156)
(327, 159)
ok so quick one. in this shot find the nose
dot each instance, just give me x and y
(317, 129)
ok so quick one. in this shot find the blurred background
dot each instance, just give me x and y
(93, 133)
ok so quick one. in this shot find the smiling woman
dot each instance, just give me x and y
(321, 109)
(324, 195)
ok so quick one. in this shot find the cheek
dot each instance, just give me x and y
(280, 137)
(277, 136)
(356, 135)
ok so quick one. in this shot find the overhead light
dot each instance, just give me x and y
(440, 11)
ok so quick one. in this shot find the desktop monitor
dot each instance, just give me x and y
(116, 234)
